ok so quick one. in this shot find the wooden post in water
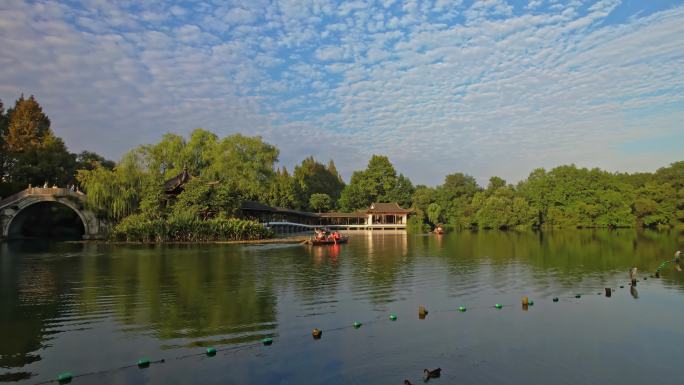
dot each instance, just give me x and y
(525, 303)
(609, 292)
(633, 275)
(422, 312)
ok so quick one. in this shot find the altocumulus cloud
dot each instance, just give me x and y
(486, 87)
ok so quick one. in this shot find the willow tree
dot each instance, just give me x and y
(241, 167)
(114, 193)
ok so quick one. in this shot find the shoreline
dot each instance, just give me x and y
(288, 240)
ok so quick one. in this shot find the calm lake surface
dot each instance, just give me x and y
(92, 307)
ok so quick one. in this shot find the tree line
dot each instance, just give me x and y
(227, 171)
(30, 153)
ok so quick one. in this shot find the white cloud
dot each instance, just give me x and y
(504, 92)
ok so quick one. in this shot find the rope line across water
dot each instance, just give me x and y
(210, 352)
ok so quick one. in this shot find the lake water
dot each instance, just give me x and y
(94, 307)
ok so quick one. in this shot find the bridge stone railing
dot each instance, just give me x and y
(40, 191)
(11, 206)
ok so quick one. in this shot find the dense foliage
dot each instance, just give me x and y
(186, 228)
(564, 197)
(30, 153)
(320, 202)
(312, 178)
(224, 172)
(377, 183)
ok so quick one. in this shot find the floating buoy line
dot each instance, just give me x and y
(144, 362)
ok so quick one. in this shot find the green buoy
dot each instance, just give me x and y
(143, 362)
(393, 317)
(530, 302)
(555, 299)
(65, 378)
(357, 325)
(498, 306)
(578, 295)
(211, 352)
(267, 341)
(462, 309)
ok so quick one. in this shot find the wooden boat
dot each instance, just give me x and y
(327, 241)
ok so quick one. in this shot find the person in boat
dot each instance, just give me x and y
(336, 236)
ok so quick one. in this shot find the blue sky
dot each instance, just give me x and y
(485, 87)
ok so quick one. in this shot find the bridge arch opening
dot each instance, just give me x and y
(47, 219)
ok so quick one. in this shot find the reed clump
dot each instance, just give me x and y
(179, 228)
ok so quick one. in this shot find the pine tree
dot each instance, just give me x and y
(28, 125)
(3, 150)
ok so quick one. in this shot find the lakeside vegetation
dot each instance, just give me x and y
(227, 171)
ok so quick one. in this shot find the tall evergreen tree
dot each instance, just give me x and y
(312, 177)
(28, 125)
(3, 148)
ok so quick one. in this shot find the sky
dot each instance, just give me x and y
(484, 87)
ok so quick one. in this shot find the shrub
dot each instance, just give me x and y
(187, 228)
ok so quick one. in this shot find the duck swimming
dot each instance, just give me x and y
(434, 373)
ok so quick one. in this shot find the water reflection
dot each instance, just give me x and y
(167, 298)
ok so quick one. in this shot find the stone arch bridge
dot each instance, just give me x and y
(12, 206)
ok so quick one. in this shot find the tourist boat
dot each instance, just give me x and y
(326, 241)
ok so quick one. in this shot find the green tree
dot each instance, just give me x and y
(48, 161)
(402, 192)
(312, 177)
(355, 195)
(112, 193)
(421, 199)
(198, 153)
(320, 202)
(672, 174)
(568, 196)
(3, 146)
(434, 212)
(283, 192)
(495, 183)
(28, 125)
(30, 153)
(377, 183)
(246, 161)
(205, 199)
(87, 160)
(455, 196)
(655, 205)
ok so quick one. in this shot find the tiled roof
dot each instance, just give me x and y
(177, 181)
(358, 214)
(393, 207)
(376, 208)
